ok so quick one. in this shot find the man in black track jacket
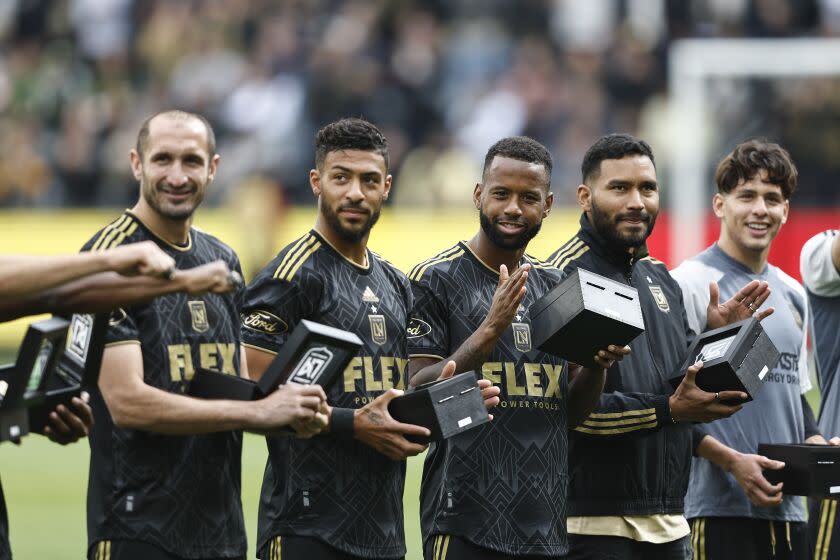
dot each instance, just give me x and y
(630, 460)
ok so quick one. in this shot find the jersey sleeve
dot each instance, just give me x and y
(273, 307)
(428, 326)
(626, 414)
(805, 384)
(819, 274)
(693, 279)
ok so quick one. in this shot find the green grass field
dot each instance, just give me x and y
(45, 486)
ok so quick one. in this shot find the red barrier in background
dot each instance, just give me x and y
(802, 224)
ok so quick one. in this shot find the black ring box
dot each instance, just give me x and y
(586, 313)
(447, 407)
(313, 354)
(25, 381)
(76, 368)
(810, 469)
(736, 357)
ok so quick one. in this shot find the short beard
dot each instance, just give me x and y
(176, 215)
(506, 242)
(349, 235)
(607, 229)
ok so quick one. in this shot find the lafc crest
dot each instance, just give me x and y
(522, 336)
(659, 298)
(378, 330)
(198, 315)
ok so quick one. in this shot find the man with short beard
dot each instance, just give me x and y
(630, 459)
(332, 497)
(498, 491)
(164, 478)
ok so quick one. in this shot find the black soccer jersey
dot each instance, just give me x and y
(503, 485)
(181, 493)
(340, 491)
(5, 548)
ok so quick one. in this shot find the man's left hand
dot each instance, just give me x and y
(743, 305)
(69, 426)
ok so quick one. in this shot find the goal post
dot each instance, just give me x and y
(691, 64)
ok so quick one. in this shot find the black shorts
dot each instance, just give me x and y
(822, 529)
(132, 550)
(605, 547)
(449, 547)
(744, 538)
(292, 547)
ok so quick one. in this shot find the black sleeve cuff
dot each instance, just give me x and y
(341, 422)
(663, 411)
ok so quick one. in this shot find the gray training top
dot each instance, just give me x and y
(822, 282)
(775, 416)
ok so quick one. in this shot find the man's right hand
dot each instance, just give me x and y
(291, 405)
(140, 259)
(747, 470)
(506, 299)
(689, 403)
(214, 277)
(374, 426)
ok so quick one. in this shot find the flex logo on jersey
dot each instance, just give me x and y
(216, 356)
(659, 298)
(198, 316)
(417, 328)
(311, 366)
(264, 322)
(522, 336)
(378, 330)
(532, 380)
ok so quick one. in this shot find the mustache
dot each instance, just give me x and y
(641, 216)
(508, 221)
(355, 207)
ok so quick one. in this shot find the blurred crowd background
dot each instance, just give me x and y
(442, 78)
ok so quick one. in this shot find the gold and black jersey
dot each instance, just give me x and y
(501, 486)
(340, 491)
(181, 493)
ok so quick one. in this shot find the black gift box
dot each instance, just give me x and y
(810, 470)
(736, 357)
(586, 313)
(313, 354)
(77, 368)
(447, 407)
(42, 345)
(25, 381)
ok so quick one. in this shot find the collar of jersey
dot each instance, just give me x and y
(466, 246)
(351, 262)
(621, 257)
(719, 253)
(182, 248)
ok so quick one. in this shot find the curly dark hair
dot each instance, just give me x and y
(521, 148)
(749, 159)
(350, 134)
(612, 146)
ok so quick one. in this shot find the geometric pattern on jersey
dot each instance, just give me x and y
(502, 485)
(337, 490)
(181, 493)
